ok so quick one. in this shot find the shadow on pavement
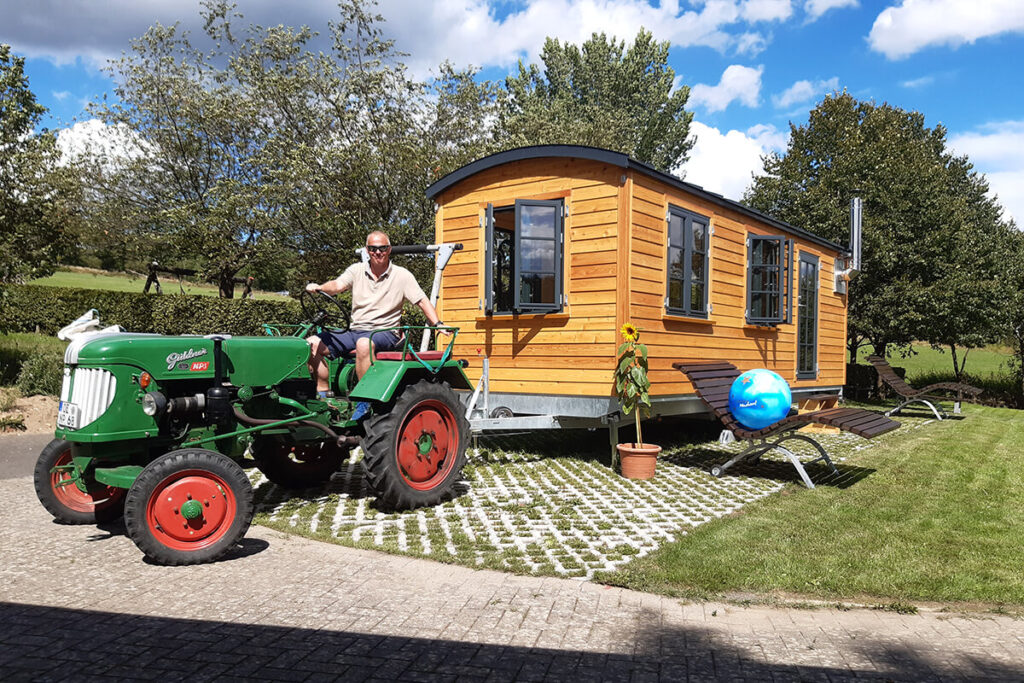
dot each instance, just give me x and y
(52, 643)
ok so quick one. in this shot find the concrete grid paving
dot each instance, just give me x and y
(80, 603)
(539, 510)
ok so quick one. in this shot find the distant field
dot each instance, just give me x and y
(87, 278)
(990, 360)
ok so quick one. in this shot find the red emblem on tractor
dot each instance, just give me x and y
(199, 366)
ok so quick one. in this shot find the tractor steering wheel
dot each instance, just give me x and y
(318, 311)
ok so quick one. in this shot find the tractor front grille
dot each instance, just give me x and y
(91, 389)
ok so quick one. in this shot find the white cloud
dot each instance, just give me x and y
(804, 91)
(767, 10)
(726, 162)
(463, 31)
(815, 8)
(916, 24)
(921, 82)
(61, 95)
(738, 83)
(94, 139)
(997, 150)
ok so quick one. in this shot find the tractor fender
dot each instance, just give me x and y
(384, 378)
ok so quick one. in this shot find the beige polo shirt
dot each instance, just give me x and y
(377, 303)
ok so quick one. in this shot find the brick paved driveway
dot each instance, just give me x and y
(80, 603)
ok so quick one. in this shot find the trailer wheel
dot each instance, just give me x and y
(297, 466)
(414, 452)
(188, 507)
(65, 501)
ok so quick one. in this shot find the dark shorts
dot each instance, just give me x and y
(341, 343)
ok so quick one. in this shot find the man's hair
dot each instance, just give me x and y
(381, 234)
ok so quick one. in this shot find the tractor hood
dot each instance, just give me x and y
(256, 361)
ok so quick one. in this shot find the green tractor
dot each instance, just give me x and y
(158, 428)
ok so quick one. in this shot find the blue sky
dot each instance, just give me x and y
(753, 66)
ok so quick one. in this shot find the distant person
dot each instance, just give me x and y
(379, 288)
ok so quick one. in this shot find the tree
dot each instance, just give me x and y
(928, 272)
(37, 197)
(601, 94)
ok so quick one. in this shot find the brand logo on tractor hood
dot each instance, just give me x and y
(187, 355)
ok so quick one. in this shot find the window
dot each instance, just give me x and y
(523, 264)
(688, 241)
(769, 278)
(807, 318)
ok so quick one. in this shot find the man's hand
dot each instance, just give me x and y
(312, 287)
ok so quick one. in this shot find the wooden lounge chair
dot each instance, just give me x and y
(926, 395)
(712, 381)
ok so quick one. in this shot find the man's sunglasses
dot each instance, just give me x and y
(374, 249)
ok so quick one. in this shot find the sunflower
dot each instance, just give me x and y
(630, 332)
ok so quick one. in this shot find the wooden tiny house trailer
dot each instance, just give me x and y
(564, 244)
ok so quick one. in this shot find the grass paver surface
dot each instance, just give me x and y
(553, 507)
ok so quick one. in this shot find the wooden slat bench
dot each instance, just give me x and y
(712, 380)
(925, 395)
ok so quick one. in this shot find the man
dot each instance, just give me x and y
(379, 288)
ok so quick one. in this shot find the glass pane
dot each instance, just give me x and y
(757, 307)
(538, 221)
(537, 289)
(697, 267)
(697, 297)
(699, 232)
(756, 279)
(766, 251)
(675, 230)
(675, 263)
(772, 307)
(771, 280)
(503, 264)
(537, 255)
(675, 294)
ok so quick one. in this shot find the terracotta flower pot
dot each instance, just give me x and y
(638, 460)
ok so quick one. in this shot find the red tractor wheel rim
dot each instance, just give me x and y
(190, 510)
(428, 442)
(98, 496)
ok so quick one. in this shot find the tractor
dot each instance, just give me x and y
(159, 428)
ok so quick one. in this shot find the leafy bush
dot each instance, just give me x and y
(30, 308)
(41, 374)
(8, 397)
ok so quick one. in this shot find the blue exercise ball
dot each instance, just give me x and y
(759, 398)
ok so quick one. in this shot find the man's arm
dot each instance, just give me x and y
(429, 311)
(332, 287)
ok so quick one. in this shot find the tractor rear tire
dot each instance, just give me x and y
(66, 502)
(188, 507)
(414, 449)
(297, 466)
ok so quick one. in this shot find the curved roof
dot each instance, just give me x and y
(621, 160)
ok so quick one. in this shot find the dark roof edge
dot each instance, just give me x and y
(623, 161)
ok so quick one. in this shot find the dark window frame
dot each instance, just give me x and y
(688, 249)
(784, 294)
(557, 243)
(807, 367)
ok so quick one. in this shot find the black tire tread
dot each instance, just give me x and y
(48, 457)
(186, 459)
(378, 446)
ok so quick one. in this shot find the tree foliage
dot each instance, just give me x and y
(930, 268)
(37, 197)
(601, 94)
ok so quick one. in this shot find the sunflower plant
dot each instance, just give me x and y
(631, 383)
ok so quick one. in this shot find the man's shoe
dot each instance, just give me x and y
(361, 411)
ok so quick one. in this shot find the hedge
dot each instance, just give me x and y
(32, 308)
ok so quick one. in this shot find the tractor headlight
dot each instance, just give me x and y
(153, 403)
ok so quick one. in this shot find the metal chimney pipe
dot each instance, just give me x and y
(856, 210)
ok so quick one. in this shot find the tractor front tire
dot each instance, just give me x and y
(297, 466)
(414, 450)
(63, 499)
(188, 507)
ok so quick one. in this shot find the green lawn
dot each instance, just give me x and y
(938, 519)
(983, 362)
(126, 282)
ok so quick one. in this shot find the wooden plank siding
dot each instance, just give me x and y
(614, 270)
(725, 335)
(568, 353)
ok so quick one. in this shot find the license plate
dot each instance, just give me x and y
(67, 415)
